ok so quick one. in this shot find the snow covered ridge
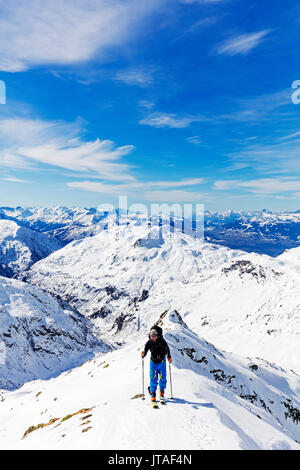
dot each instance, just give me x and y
(220, 402)
(266, 386)
(40, 337)
(21, 247)
(121, 278)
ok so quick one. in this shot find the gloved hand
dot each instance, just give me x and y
(143, 354)
(170, 359)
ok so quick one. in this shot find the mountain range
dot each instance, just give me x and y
(265, 232)
(75, 316)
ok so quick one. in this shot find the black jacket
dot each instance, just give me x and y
(159, 349)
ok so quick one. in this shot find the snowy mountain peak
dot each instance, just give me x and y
(169, 318)
(21, 247)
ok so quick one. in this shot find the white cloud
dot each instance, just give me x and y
(134, 186)
(271, 185)
(176, 195)
(13, 179)
(290, 136)
(202, 1)
(195, 139)
(24, 130)
(137, 76)
(273, 158)
(142, 190)
(97, 187)
(242, 44)
(175, 184)
(161, 119)
(198, 25)
(33, 144)
(96, 156)
(146, 104)
(259, 108)
(223, 185)
(26, 143)
(66, 31)
(261, 186)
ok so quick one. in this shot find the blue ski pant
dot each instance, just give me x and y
(158, 374)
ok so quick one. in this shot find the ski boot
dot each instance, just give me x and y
(162, 397)
(153, 400)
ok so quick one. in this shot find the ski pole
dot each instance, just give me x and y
(143, 377)
(171, 381)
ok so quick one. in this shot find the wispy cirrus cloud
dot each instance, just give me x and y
(141, 77)
(175, 196)
(278, 157)
(98, 165)
(106, 188)
(243, 43)
(99, 156)
(195, 139)
(224, 185)
(162, 119)
(146, 104)
(65, 32)
(261, 107)
(149, 191)
(175, 184)
(13, 179)
(200, 24)
(28, 144)
(7, 176)
(261, 186)
(202, 1)
(291, 136)
(154, 191)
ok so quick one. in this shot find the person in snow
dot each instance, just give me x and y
(159, 349)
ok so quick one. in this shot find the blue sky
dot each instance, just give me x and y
(168, 101)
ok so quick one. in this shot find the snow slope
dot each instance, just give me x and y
(220, 402)
(121, 278)
(21, 247)
(39, 337)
